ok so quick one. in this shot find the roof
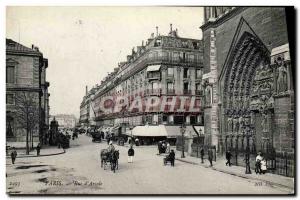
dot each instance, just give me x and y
(15, 47)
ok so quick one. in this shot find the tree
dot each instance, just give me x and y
(27, 113)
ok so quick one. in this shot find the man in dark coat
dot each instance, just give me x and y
(202, 154)
(130, 154)
(38, 149)
(13, 155)
(159, 146)
(228, 157)
(171, 157)
(210, 157)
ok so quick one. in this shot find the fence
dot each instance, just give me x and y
(285, 164)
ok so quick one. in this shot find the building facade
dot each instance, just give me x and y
(167, 69)
(64, 120)
(249, 88)
(27, 97)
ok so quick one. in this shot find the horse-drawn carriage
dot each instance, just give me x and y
(109, 157)
(96, 136)
(63, 141)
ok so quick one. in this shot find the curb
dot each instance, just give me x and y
(34, 156)
(236, 174)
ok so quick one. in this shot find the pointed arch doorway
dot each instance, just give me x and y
(247, 99)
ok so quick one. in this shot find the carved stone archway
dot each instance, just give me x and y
(247, 93)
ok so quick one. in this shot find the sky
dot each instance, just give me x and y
(84, 44)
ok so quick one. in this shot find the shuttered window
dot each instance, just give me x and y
(10, 74)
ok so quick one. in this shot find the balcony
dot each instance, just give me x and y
(152, 76)
(171, 91)
(199, 92)
(187, 92)
(155, 92)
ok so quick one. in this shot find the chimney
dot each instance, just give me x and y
(86, 90)
(142, 43)
(156, 31)
(170, 28)
(32, 46)
(152, 35)
(128, 58)
(138, 48)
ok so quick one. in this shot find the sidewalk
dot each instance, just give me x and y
(46, 151)
(268, 178)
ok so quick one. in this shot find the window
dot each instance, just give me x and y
(165, 55)
(10, 74)
(198, 73)
(170, 87)
(186, 86)
(10, 99)
(198, 86)
(170, 71)
(175, 56)
(185, 73)
(182, 56)
(191, 58)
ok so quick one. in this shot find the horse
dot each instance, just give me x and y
(114, 160)
(105, 157)
(111, 157)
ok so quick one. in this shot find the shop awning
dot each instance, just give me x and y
(162, 131)
(149, 131)
(153, 68)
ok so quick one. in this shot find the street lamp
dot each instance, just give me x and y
(182, 130)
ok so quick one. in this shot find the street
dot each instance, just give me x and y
(78, 171)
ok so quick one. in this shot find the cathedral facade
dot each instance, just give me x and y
(249, 84)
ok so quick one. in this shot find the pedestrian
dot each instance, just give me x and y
(164, 146)
(258, 160)
(159, 146)
(263, 165)
(172, 157)
(137, 143)
(130, 155)
(111, 147)
(210, 156)
(228, 157)
(202, 154)
(13, 155)
(168, 147)
(38, 149)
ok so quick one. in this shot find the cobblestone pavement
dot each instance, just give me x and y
(78, 171)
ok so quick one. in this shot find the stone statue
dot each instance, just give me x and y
(207, 95)
(235, 125)
(229, 121)
(252, 118)
(241, 121)
(282, 78)
(264, 122)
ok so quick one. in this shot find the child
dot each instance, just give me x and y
(263, 166)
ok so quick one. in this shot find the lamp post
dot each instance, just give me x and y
(182, 130)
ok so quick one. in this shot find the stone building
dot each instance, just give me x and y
(26, 88)
(166, 68)
(64, 120)
(249, 88)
